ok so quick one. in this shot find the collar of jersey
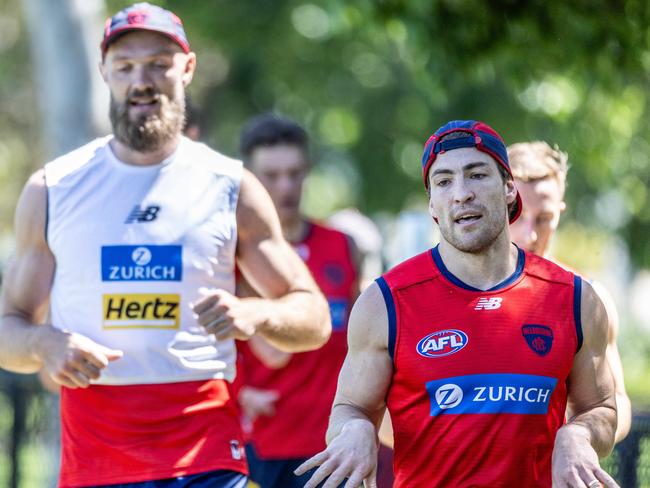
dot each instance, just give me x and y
(135, 168)
(521, 261)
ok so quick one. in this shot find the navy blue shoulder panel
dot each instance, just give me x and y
(392, 317)
(577, 315)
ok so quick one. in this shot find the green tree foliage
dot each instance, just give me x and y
(372, 79)
(18, 115)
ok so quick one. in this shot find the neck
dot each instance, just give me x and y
(295, 229)
(482, 270)
(129, 155)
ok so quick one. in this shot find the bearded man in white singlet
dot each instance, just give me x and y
(121, 286)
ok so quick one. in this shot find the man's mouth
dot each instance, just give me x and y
(143, 102)
(467, 218)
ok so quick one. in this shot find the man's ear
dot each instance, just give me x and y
(103, 70)
(190, 67)
(511, 191)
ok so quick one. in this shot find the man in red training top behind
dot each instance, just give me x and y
(540, 174)
(289, 396)
(475, 347)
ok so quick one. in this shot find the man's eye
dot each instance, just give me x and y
(478, 176)
(124, 68)
(442, 183)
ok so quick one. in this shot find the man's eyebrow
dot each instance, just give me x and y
(477, 164)
(467, 167)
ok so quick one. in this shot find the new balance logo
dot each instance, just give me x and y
(488, 303)
(148, 214)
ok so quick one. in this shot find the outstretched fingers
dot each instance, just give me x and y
(311, 463)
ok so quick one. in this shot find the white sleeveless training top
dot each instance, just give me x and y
(135, 246)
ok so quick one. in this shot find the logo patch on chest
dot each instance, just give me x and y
(492, 303)
(141, 215)
(491, 394)
(142, 263)
(538, 337)
(442, 343)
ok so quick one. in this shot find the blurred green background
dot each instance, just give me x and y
(370, 80)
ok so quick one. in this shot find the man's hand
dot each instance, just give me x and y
(71, 359)
(352, 455)
(575, 463)
(256, 402)
(229, 317)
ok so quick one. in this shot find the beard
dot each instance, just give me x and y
(148, 132)
(479, 240)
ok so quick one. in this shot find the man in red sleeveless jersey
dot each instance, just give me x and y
(475, 347)
(540, 174)
(288, 396)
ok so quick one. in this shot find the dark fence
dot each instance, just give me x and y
(25, 414)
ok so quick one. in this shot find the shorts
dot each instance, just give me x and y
(211, 479)
(277, 473)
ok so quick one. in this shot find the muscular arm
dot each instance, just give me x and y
(27, 343)
(292, 312)
(589, 433)
(590, 384)
(623, 405)
(360, 398)
(366, 372)
(27, 283)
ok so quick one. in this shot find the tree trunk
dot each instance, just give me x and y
(65, 38)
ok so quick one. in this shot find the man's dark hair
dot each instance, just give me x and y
(269, 130)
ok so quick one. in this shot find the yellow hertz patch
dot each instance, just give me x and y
(141, 311)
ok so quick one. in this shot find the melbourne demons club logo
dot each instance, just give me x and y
(442, 343)
(538, 337)
(137, 17)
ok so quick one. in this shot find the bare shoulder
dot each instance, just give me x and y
(593, 317)
(368, 325)
(31, 211)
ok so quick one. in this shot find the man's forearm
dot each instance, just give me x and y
(19, 340)
(299, 321)
(344, 415)
(597, 426)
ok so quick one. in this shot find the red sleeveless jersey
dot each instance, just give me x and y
(307, 384)
(479, 384)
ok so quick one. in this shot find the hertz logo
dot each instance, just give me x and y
(141, 311)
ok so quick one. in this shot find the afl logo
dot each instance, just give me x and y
(442, 343)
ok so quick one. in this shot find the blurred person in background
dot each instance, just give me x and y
(366, 236)
(192, 127)
(540, 173)
(475, 346)
(287, 397)
(121, 285)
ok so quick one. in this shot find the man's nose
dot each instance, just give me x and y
(463, 193)
(141, 78)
